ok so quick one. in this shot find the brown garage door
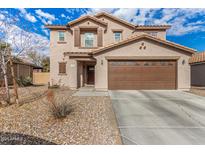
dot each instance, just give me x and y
(146, 74)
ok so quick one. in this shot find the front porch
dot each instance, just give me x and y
(85, 73)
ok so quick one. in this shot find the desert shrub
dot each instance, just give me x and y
(61, 110)
(60, 107)
(24, 81)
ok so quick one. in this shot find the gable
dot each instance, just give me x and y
(153, 40)
(153, 51)
(87, 23)
(86, 19)
(114, 19)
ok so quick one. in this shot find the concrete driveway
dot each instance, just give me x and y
(159, 117)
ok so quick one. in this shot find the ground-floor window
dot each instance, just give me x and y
(62, 67)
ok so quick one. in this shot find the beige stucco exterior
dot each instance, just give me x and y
(152, 49)
(74, 69)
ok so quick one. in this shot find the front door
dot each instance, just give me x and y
(90, 74)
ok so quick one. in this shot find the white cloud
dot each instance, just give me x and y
(183, 21)
(66, 16)
(45, 30)
(63, 15)
(27, 15)
(72, 11)
(126, 14)
(2, 17)
(97, 10)
(45, 15)
(22, 40)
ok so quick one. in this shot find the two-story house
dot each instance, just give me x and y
(110, 53)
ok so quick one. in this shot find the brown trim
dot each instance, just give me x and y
(88, 27)
(87, 17)
(61, 42)
(79, 54)
(99, 37)
(83, 58)
(77, 37)
(117, 30)
(62, 67)
(144, 36)
(57, 27)
(142, 57)
(88, 47)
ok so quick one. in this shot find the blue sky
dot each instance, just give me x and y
(188, 25)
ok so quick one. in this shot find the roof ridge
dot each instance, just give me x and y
(116, 18)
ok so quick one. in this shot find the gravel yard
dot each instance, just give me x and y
(91, 122)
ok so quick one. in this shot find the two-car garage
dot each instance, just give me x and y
(162, 65)
(142, 74)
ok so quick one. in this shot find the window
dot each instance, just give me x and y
(118, 36)
(152, 34)
(62, 68)
(89, 39)
(61, 36)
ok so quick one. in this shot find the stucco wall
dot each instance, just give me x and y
(70, 78)
(152, 49)
(56, 56)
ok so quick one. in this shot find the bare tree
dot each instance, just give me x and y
(3, 63)
(16, 39)
(39, 60)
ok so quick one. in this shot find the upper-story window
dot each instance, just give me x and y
(61, 36)
(152, 33)
(117, 36)
(89, 39)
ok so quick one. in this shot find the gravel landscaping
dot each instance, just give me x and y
(92, 120)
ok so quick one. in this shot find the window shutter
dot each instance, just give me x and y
(62, 67)
(76, 37)
(100, 37)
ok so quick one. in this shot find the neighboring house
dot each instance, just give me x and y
(197, 62)
(21, 69)
(110, 53)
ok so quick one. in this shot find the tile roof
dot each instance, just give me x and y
(114, 18)
(56, 27)
(86, 17)
(145, 27)
(95, 18)
(197, 57)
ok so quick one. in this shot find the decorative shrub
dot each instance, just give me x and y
(62, 110)
(24, 81)
(60, 107)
